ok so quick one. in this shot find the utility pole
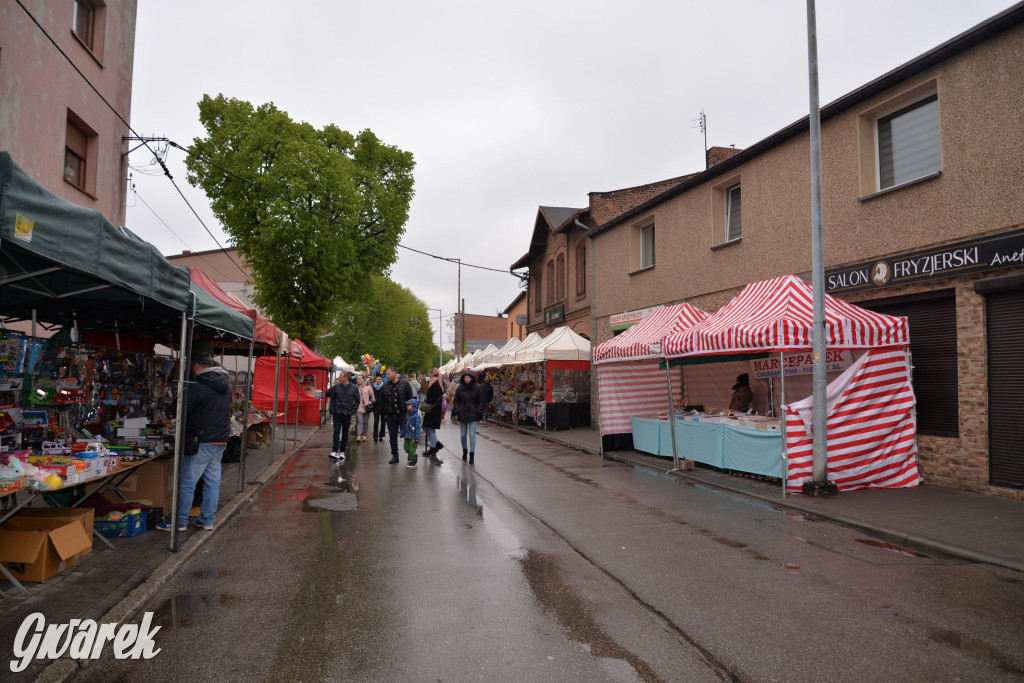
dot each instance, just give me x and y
(820, 485)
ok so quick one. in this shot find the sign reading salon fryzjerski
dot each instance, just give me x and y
(983, 253)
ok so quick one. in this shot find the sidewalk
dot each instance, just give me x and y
(113, 585)
(930, 519)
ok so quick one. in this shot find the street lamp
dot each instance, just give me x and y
(440, 358)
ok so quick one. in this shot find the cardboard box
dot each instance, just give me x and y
(85, 516)
(152, 481)
(685, 464)
(38, 548)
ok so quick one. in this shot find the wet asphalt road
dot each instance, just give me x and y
(541, 563)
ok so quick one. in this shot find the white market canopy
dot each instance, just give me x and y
(562, 344)
(533, 339)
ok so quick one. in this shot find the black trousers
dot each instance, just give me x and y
(379, 424)
(341, 427)
(393, 424)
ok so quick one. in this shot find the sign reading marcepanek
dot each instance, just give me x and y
(983, 253)
(801, 363)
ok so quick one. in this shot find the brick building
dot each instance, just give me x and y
(55, 126)
(923, 215)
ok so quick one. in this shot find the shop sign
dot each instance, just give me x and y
(522, 319)
(620, 321)
(798, 364)
(971, 256)
(554, 315)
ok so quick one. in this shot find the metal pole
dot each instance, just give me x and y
(440, 356)
(820, 486)
(277, 386)
(245, 421)
(287, 384)
(184, 363)
(672, 417)
(458, 331)
(782, 404)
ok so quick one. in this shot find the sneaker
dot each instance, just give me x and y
(340, 455)
(167, 526)
(411, 465)
(334, 454)
(393, 461)
(198, 525)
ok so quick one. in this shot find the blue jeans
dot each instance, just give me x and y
(471, 428)
(204, 465)
(431, 437)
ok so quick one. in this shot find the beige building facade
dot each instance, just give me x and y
(54, 125)
(923, 215)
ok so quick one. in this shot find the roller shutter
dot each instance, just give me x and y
(1005, 316)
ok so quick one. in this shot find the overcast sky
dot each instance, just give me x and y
(506, 107)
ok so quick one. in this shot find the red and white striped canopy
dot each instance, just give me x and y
(635, 343)
(777, 315)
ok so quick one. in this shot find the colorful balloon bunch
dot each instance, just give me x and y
(373, 366)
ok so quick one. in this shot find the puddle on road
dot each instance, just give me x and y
(875, 543)
(183, 611)
(544, 576)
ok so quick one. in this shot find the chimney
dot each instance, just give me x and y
(717, 155)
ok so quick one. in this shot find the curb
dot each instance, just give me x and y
(924, 543)
(67, 669)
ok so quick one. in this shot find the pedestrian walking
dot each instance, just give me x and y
(467, 409)
(365, 409)
(397, 393)
(411, 430)
(450, 395)
(379, 424)
(433, 415)
(344, 403)
(486, 396)
(208, 421)
(414, 382)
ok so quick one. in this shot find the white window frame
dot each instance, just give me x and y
(644, 240)
(729, 193)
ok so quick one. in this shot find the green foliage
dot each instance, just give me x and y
(339, 205)
(389, 322)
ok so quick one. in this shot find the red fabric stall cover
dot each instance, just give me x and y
(266, 332)
(263, 392)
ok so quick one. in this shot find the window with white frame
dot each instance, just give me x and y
(733, 213)
(908, 145)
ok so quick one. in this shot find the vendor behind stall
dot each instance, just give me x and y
(742, 396)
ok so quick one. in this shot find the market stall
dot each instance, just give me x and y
(768, 327)
(631, 385)
(553, 380)
(503, 379)
(71, 277)
(295, 389)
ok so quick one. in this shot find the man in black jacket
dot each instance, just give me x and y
(486, 396)
(396, 392)
(208, 418)
(344, 402)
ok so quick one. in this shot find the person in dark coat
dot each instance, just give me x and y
(742, 395)
(467, 410)
(397, 393)
(432, 418)
(379, 424)
(486, 396)
(208, 419)
(344, 403)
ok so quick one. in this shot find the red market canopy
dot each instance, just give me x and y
(776, 315)
(265, 331)
(636, 342)
(307, 358)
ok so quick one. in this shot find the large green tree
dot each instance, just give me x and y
(389, 322)
(314, 212)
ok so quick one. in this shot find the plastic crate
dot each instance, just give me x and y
(126, 527)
